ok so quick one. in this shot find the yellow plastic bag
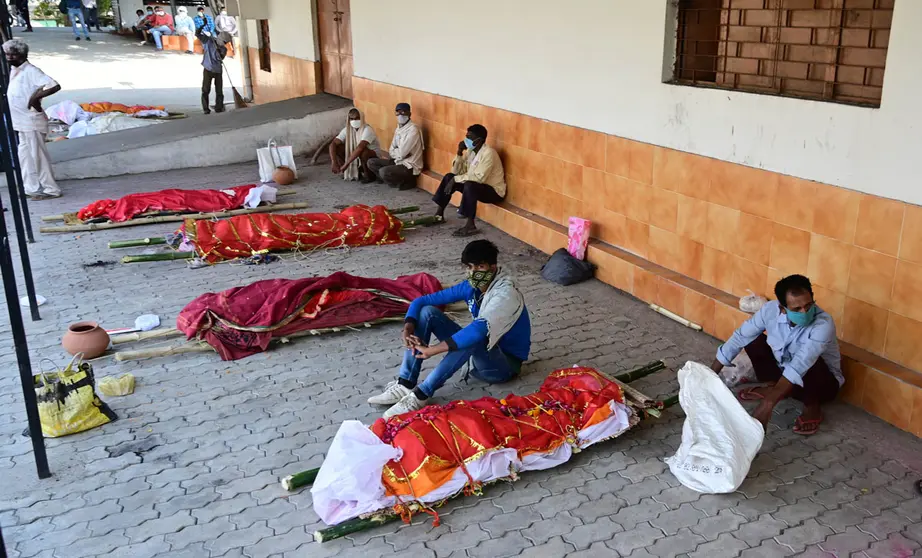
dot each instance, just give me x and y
(67, 400)
(112, 386)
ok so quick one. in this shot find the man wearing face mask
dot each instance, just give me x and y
(351, 150)
(496, 343)
(404, 161)
(161, 24)
(28, 86)
(477, 172)
(798, 355)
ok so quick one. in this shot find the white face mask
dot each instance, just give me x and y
(402, 119)
(356, 124)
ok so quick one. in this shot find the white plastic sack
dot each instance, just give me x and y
(349, 482)
(271, 157)
(719, 438)
(752, 303)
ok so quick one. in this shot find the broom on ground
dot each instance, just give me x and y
(239, 101)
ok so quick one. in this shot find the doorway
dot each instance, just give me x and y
(335, 26)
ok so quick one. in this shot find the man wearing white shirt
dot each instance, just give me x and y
(404, 161)
(28, 86)
(353, 147)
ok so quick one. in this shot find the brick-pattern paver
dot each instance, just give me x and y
(191, 468)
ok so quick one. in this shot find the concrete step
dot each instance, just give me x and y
(202, 140)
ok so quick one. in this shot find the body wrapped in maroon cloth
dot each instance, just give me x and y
(180, 201)
(240, 322)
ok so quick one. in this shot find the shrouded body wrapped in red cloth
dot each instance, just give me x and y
(245, 235)
(191, 201)
(431, 454)
(240, 322)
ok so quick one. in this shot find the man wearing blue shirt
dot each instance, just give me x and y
(203, 21)
(798, 355)
(496, 343)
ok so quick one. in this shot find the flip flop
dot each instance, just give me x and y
(749, 394)
(439, 220)
(463, 233)
(807, 427)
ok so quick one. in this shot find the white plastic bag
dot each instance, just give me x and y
(349, 482)
(752, 303)
(719, 438)
(739, 372)
(271, 157)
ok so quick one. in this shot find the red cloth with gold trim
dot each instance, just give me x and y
(438, 439)
(245, 235)
(183, 201)
(240, 322)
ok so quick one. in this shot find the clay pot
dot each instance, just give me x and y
(87, 338)
(283, 176)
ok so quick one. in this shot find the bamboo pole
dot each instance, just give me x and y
(63, 217)
(144, 335)
(149, 241)
(422, 221)
(199, 346)
(172, 218)
(163, 256)
(292, 482)
(386, 516)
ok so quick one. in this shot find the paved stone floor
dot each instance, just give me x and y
(191, 468)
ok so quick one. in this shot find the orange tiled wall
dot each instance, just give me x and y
(290, 77)
(730, 226)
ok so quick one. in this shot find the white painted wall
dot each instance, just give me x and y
(291, 28)
(598, 64)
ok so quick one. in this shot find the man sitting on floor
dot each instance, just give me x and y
(404, 161)
(353, 147)
(496, 343)
(478, 174)
(798, 355)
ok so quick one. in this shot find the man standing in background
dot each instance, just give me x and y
(213, 63)
(75, 13)
(92, 14)
(203, 21)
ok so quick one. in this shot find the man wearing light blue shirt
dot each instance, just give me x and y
(798, 356)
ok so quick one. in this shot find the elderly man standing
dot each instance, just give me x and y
(404, 161)
(28, 86)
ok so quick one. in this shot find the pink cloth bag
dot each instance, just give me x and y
(578, 236)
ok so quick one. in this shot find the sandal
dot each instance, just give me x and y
(439, 219)
(807, 427)
(462, 232)
(750, 394)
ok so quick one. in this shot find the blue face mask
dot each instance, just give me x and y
(803, 319)
(469, 143)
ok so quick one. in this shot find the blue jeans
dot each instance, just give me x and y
(491, 366)
(156, 32)
(74, 14)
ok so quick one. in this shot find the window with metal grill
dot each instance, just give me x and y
(829, 50)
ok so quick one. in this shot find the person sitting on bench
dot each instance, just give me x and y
(798, 356)
(476, 172)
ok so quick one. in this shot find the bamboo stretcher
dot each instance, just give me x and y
(647, 407)
(202, 347)
(74, 225)
(174, 255)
